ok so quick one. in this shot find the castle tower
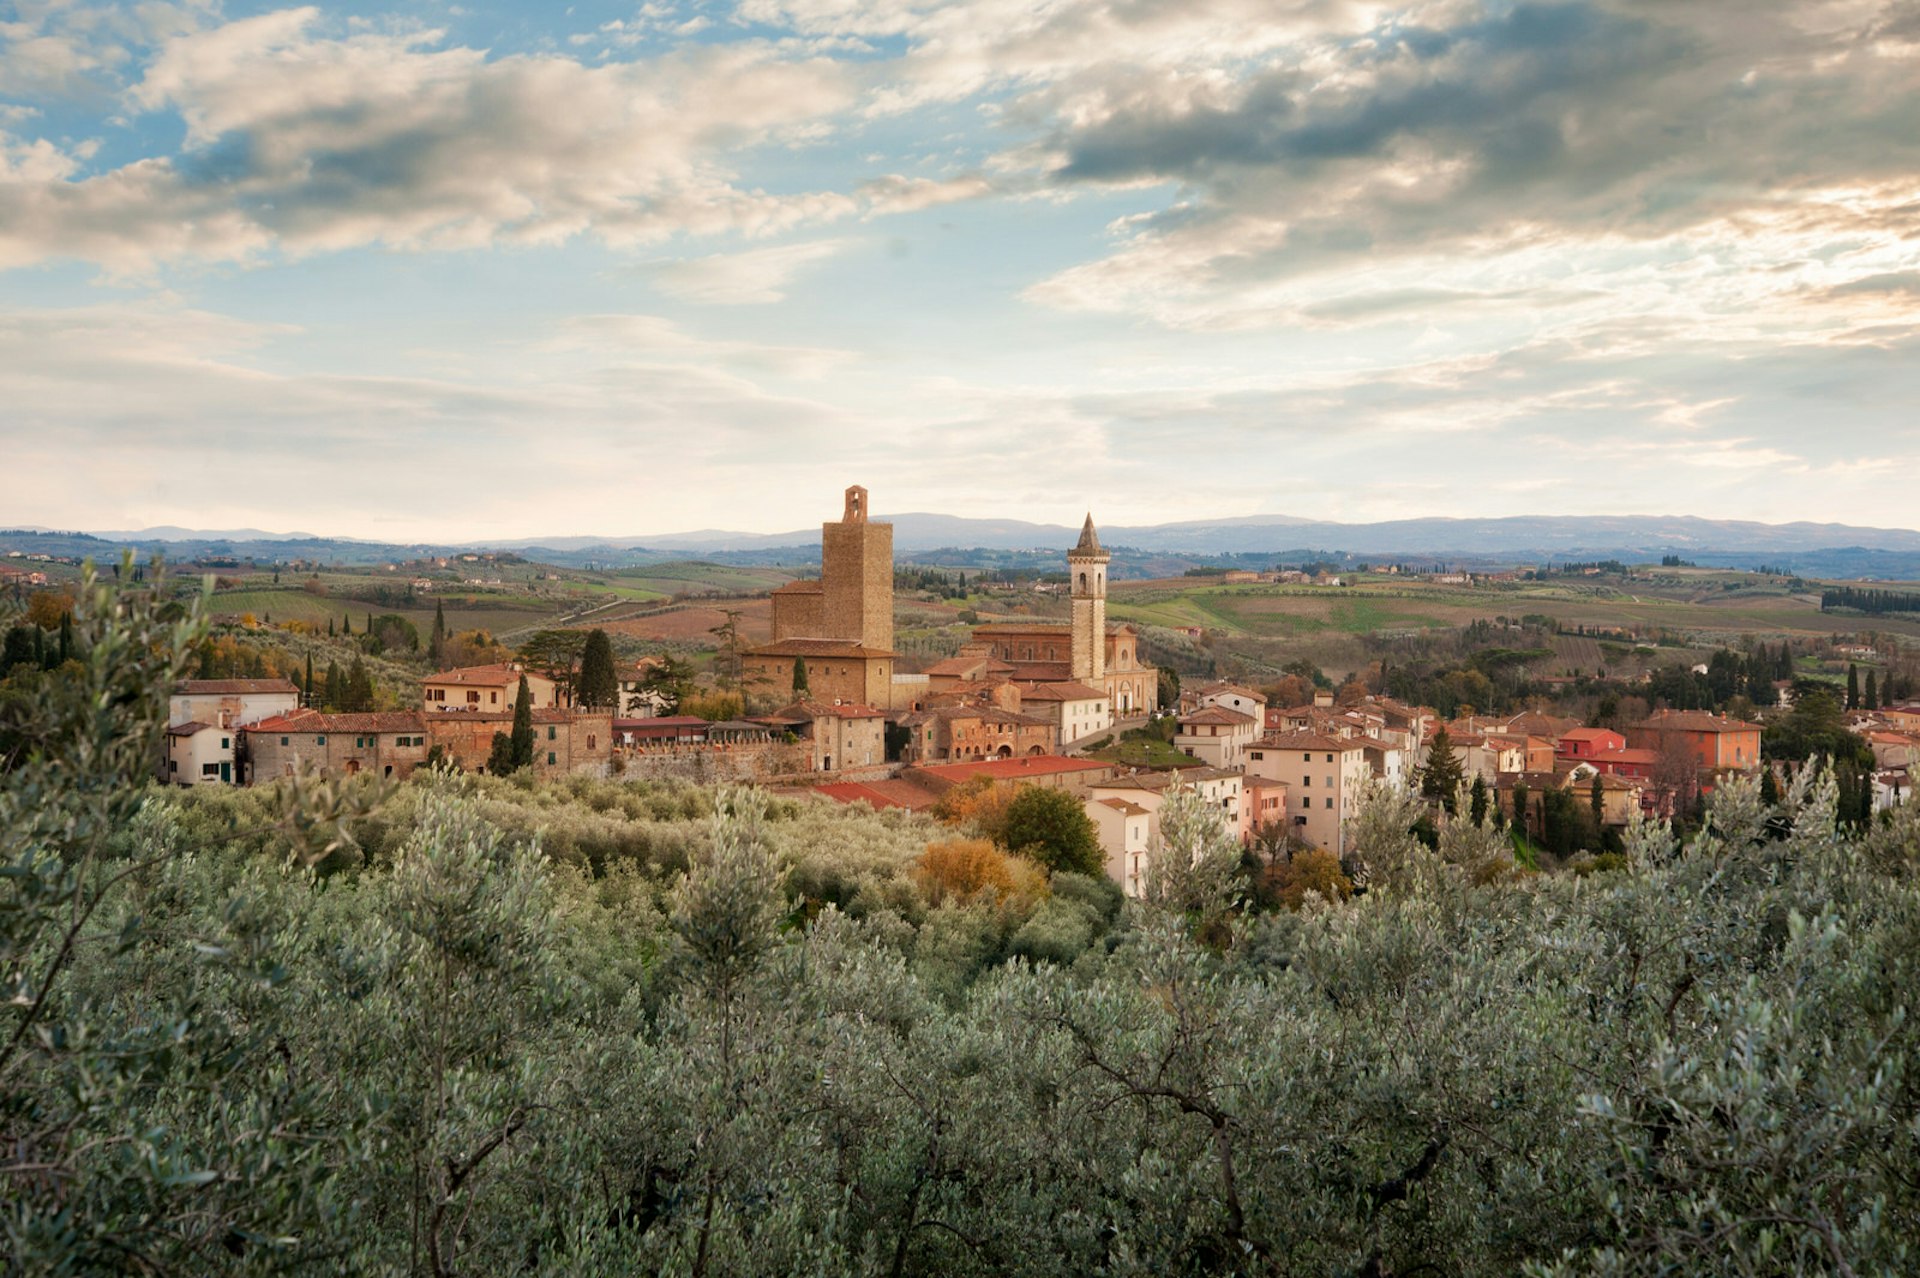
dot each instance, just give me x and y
(1087, 566)
(856, 577)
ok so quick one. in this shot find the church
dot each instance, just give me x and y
(1086, 650)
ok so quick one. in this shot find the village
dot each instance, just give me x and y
(1021, 704)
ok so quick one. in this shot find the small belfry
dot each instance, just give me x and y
(1087, 566)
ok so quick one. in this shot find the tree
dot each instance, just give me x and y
(1311, 870)
(1871, 700)
(437, 643)
(799, 677)
(336, 687)
(669, 679)
(1477, 800)
(306, 686)
(1597, 802)
(523, 726)
(359, 692)
(1169, 689)
(1522, 813)
(1853, 686)
(599, 686)
(1442, 777)
(554, 653)
(500, 756)
(1051, 827)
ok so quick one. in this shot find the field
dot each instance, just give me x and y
(1699, 605)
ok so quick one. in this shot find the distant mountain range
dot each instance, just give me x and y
(1817, 549)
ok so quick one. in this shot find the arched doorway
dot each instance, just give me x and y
(1006, 752)
(353, 766)
(1036, 750)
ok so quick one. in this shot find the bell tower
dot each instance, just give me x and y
(1087, 567)
(856, 576)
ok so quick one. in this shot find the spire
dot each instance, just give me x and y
(1089, 540)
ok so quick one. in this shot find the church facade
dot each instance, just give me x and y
(1086, 650)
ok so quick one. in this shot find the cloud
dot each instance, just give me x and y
(754, 277)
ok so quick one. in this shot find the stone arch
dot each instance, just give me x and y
(1006, 752)
(1035, 750)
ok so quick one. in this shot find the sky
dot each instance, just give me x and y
(434, 271)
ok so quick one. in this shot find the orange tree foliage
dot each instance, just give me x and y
(1311, 871)
(48, 608)
(978, 804)
(961, 869)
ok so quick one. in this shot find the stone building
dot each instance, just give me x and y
(394, 743)
(1086, 650)
(840, 626)
(839, 736)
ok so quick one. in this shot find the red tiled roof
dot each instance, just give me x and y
(961, 666)
(498, 675)
(315, 721)
(1628, 755)
(807, 710)
(1237, 689)
(1306, 741)
(816, 648)
(1588, 734)
(1218, 715)
(230, 687)
(1013, 769)
(1695, 721)
(1121, 805)
(1067, 691)
(879, 794)
(187, 729)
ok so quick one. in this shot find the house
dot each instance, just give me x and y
(490, 689)
(1216, 735)
(1325, 777)
(199, 753)
(1584, 743)
(1233, 696)
(1713, 741)
(842, 736)
(974, 731)
(1902, 718)
(1054, 770)
(231, 702)
(1075, 710)
(386, 744)
(662, 732)
(1221, 789)
(1125, 831)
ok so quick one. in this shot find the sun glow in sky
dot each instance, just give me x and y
(438, 271)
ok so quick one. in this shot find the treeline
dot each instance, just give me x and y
(1871, 601)
(325, 1031)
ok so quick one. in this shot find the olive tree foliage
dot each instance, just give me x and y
(1193, 865)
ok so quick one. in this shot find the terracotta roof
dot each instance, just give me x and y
(1121, 805)
(1306, 741)
(1218, 715)
(1588, 734)
(230, 687)
(1155, 782)
(816, 648)
(1238, 689)
(879, 794)
(187, 729)
(315, 721)
(1067, 691)
(809, 710)
(1628, 755)
(963, 666)
(986, 714)
(1012, 769)
(498, 675)
(1695, 721)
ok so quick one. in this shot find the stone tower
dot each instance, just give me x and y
(1087, 565)
(856, 577)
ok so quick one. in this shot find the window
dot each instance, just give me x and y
(590, 741)
(549, 758)
(209, 769)
(283, 741)
(1329, 800)
(225, 744)
(1306, 780)
(550, 732)
(319, 740)
(1329, 783)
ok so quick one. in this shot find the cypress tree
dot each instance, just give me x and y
(1477, 801)
(1442, 776)
(1769, 788)
(437, 646)
(1872, 697)
(1597, 799)
(500, 757)
(359, 696)
(799, 677)
(334, 688)
(1853, 686)
(1520, 807)
(329, 627)
(306, 688)
(599, 684)
(522, 740)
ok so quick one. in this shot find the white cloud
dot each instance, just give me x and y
(754, 277)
